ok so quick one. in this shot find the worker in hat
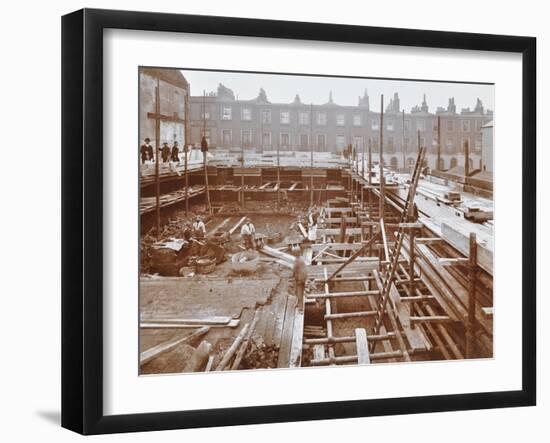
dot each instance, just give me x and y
(175, 152)
(248, 231)
(165, 152)
(146, 151)
(199, 228)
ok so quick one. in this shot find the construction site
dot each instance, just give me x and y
(263, 259)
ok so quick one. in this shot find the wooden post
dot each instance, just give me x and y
(242, 176)
(362, 173)
(278, 178)
(157, 160)
(311, 154)
(438, 143)
(185, 152)
(369, 194)
(381, 158)
(472, 268)
(206, 189)
(466, 160)
(411, 270)
(403, 137)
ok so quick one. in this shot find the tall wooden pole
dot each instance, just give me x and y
(311, 153)
(362, 171)
(369, 196)
(466, 160)
(470, 326)
(157, 160)
(242, 176)
(438, 143)
(186, 149)
(381, 162)
(207, 190)
(278, 178)
(403, 137)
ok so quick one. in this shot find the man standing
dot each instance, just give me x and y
(300, 278)
(247, 233)
(199, 229)
(146, 151)
(165, 152)
(175, 152)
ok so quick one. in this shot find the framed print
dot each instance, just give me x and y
(271, 221)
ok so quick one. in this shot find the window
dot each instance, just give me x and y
(407, 125)
(285, 117)
(304, 140)
(450, 125)
(375, 144)
(478, 144)
(340, 141)
(407, 143)
(226, 113)
(465, 125)
(285, 140)
(266, 139)
(206, 115)
(390, 144)
(340, 119)
(389, 125)
(226, 137)
(247, 138)
(246, 114)
(357, 120)
(422, 142)
(358, 142)
(321, 141)
(479, 124)
(322, 118)
(266, 116)
(420, 125)
(303, 118)
(375, 124)
(465, 141)
(450, 145)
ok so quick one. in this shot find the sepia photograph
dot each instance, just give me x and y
(303, 220)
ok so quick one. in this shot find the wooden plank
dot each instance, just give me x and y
(242, 349)
(302, 230)
(161, 348)
(403, 311)
(286, 338)
(153, 325)
(362, 346)
(216, 320)
(295, 359)
(272, 252)
(233, 348)
(234, 228)
(279, 323)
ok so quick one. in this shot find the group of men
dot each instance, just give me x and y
(166, 153)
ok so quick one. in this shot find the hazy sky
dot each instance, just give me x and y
(345, 91)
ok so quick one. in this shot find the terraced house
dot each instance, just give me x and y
(234, 124)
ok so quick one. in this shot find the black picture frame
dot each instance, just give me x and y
(82, 219)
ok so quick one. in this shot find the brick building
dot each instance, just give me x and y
(260, 124)
(174, 95)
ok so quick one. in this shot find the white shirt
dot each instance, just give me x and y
(248, 229)
(199, 226)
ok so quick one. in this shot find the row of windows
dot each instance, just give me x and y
(321, 141)
(321, 119)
